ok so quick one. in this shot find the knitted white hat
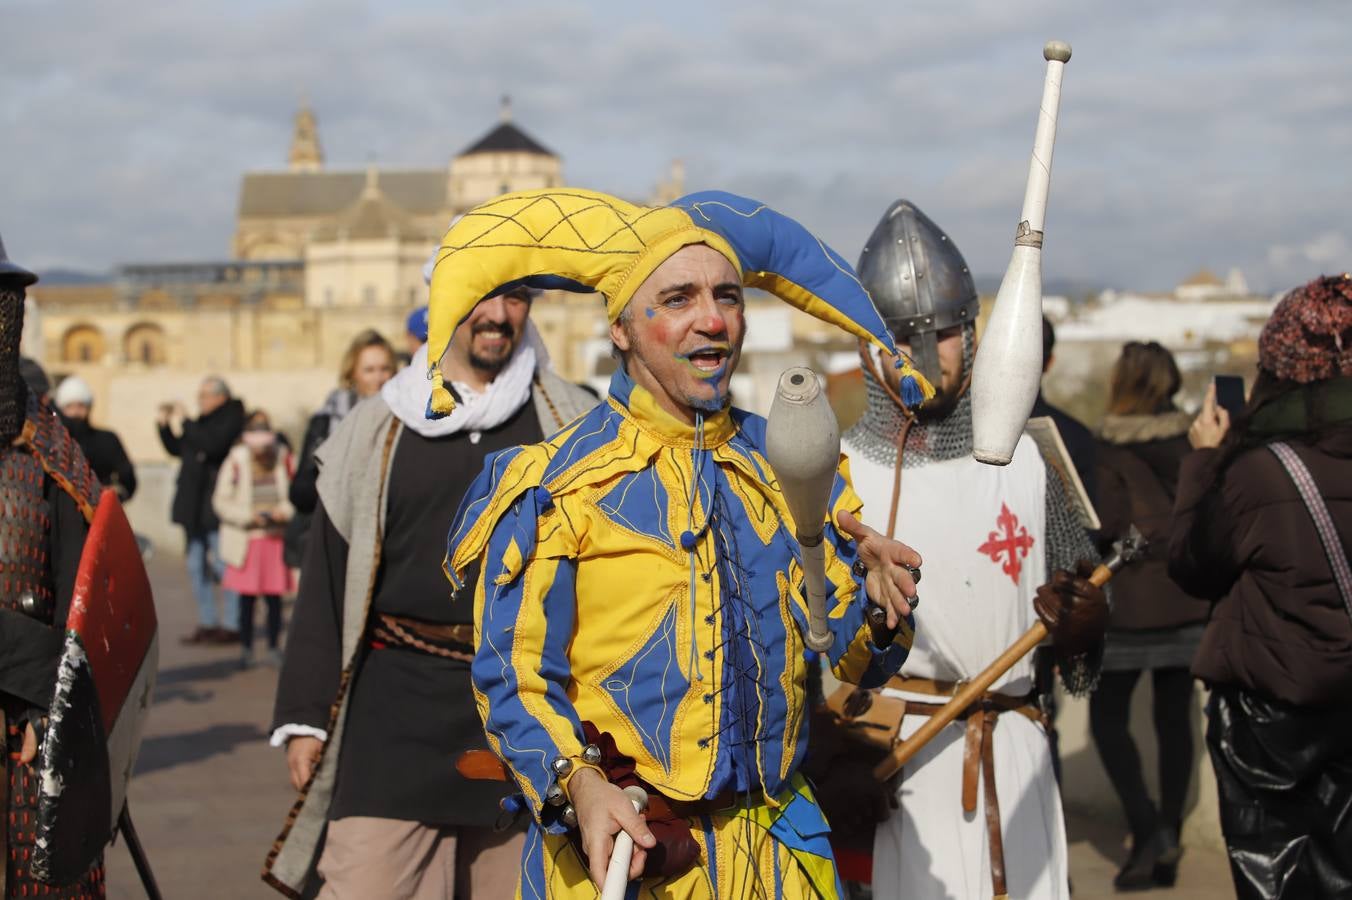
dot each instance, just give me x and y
(74, 389)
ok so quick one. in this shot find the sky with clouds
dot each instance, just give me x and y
(1190, 134)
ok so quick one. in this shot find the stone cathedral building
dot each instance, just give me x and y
(317, 255)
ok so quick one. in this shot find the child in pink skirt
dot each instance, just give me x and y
(251, 501)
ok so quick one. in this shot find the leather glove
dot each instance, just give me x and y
(1074, 610)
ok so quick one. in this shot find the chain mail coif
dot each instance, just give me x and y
(12, 396)
(874, 436)
(1067, 543)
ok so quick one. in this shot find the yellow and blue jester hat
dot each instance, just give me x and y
(579, 240)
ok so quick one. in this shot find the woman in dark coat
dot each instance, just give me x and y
(1277, 651)
(1155, 627)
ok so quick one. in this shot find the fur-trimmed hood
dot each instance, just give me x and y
(1137, 429)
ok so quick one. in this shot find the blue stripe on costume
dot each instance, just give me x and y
(592, 432)
(475, 501)
(522, 739)
(649, 686)
(639, 502)
(533, 873)
(711, 853)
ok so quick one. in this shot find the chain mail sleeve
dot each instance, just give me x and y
(1067, 543)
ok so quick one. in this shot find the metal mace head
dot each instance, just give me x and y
(1126, 549)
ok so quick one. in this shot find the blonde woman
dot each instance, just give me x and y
(367, 364)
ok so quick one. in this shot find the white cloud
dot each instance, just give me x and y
(1327, 251)
(1187, 137)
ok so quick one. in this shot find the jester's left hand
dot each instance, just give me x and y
(889, 582)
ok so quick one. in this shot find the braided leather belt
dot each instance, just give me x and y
(445, 641)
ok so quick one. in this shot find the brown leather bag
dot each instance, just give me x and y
(867, 719)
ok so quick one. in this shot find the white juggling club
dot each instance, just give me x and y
(802, 445)
(1009, 360)
(617, 873)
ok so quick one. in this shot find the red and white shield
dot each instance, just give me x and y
(104, 684)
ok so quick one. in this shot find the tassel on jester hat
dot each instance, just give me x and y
(579, 240)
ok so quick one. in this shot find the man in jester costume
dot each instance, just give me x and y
(639, 618)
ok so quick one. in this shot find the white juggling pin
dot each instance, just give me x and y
(802, 445)
(617, 873)
(1008, 364)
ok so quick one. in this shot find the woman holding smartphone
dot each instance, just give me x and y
(1263, 527)
(251, 501)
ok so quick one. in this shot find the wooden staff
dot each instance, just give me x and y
(1123, 552)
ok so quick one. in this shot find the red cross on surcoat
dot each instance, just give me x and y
(1015, 542)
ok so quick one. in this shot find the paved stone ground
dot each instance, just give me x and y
(209, 795)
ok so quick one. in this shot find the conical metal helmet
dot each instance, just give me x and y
(918, 281)
(11, 274)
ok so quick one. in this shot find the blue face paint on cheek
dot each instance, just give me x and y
(650, 312)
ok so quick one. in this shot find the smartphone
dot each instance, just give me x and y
(1230, 393)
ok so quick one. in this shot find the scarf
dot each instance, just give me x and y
(1294, 413)
(408, 392)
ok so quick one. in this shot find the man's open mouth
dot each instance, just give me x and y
(708, 359)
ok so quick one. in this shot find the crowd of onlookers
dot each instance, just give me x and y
(1244, 585)
(243, 497)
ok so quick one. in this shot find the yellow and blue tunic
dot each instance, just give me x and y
(640, 573)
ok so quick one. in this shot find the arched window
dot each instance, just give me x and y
(145, 344)
(83, 344)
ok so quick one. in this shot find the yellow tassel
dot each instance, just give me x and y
(915, 387)
(925, 387)
(443, 402)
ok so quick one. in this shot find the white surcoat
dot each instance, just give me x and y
(981, 531)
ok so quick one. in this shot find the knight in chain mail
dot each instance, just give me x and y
(993, 536)
(48, 493)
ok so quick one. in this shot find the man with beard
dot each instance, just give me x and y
(992, 536)
(48, 494)
(74, 401)
(374, 700)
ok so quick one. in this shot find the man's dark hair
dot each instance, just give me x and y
(1048, 341)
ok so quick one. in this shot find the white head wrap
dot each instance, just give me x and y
(74, 389)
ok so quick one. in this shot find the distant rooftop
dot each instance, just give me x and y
(507, 138)
(1202, 277)
(419, 192)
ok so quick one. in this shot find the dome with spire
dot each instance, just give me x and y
(306, 155)
(506, 137)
